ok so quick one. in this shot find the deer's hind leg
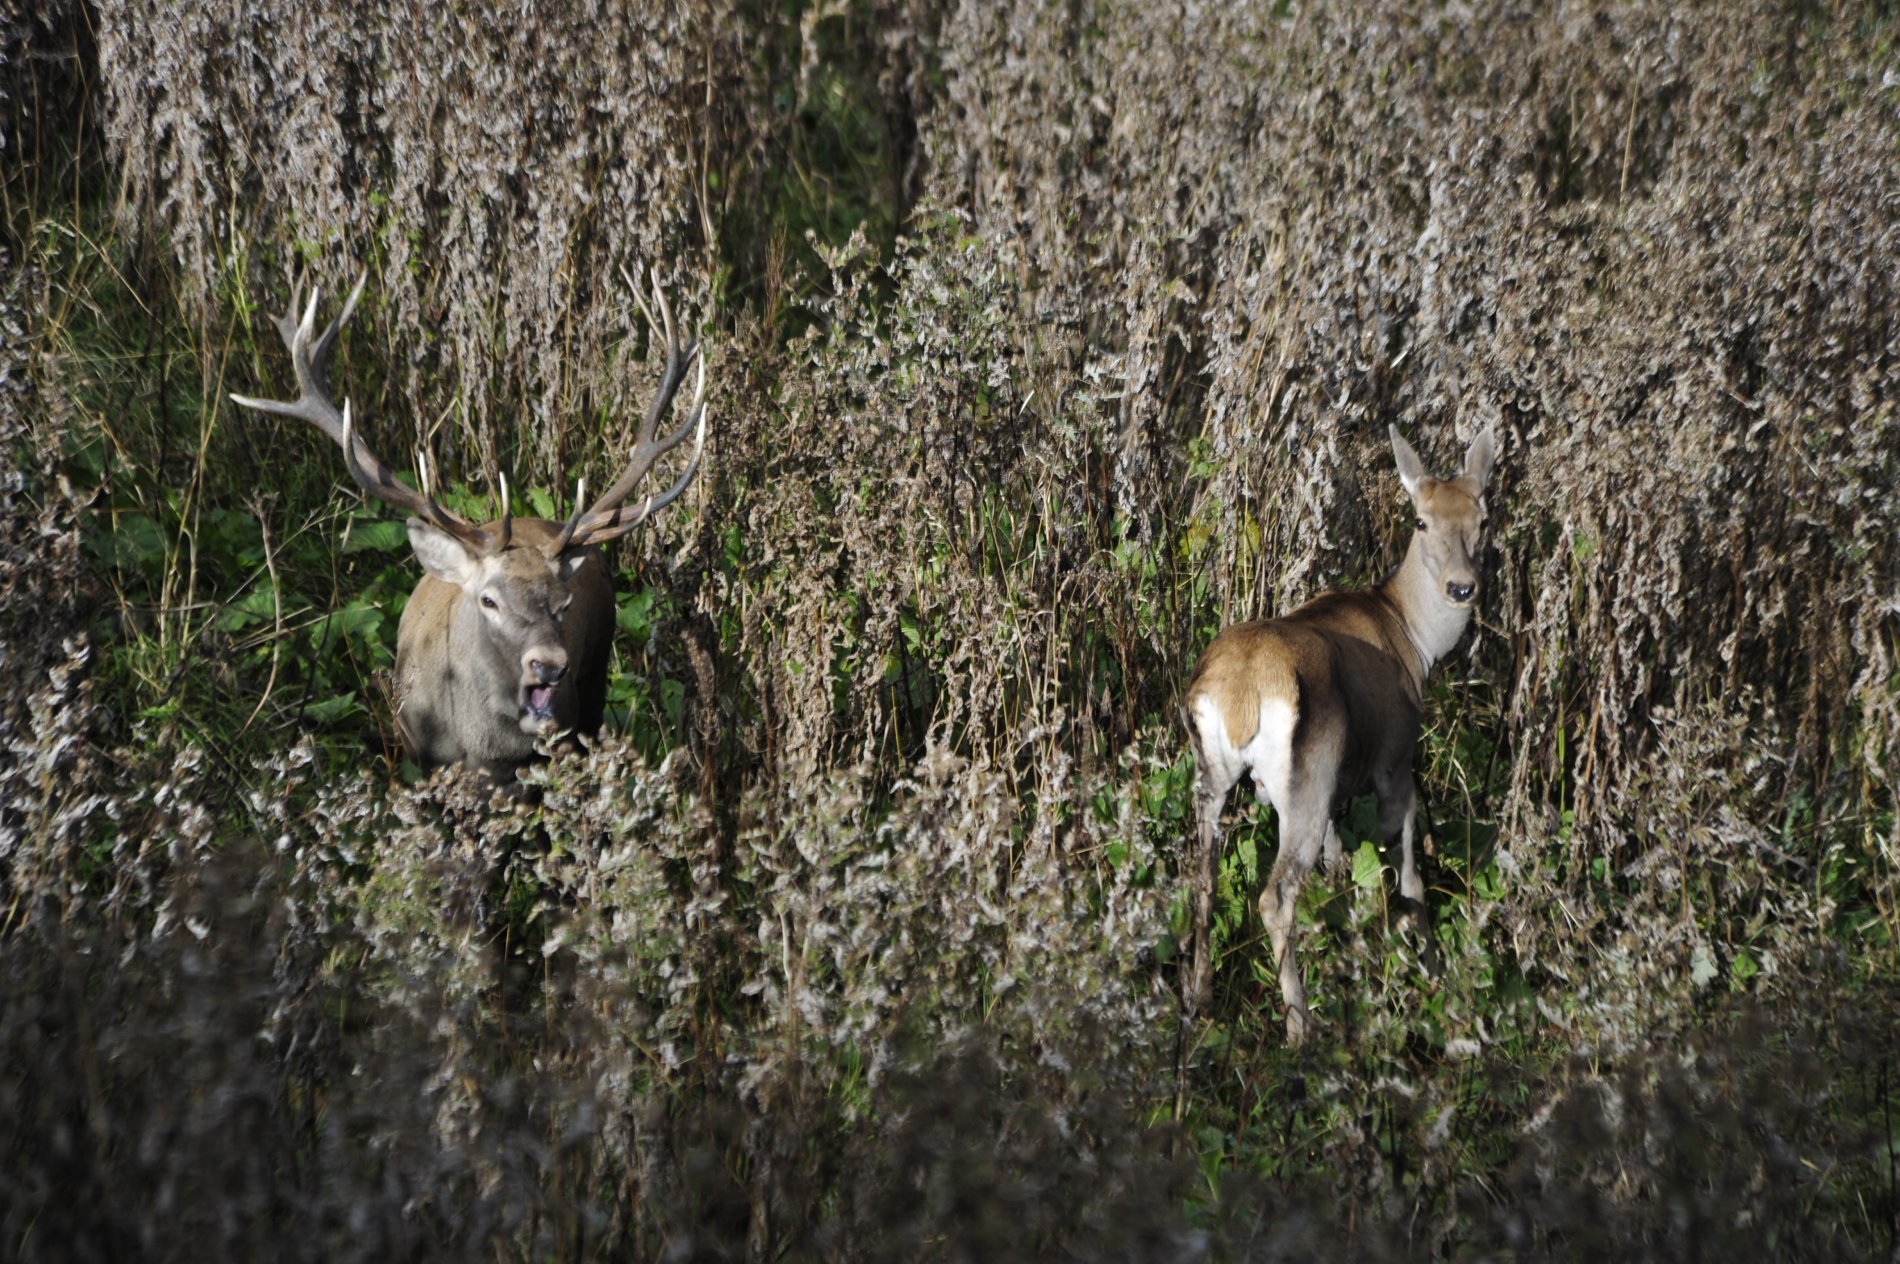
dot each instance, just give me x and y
(1305, 824)
(1207, 806)
(1217, 766)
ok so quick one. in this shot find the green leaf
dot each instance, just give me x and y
(1743, 968)
(635, 615)
(330, 710)
(256, 606)
(378, 535)
(228, 534)
(1249, 854)
(1367, 868)
(358, 621)
(133, 542)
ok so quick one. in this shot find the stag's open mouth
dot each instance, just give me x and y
(537, 703)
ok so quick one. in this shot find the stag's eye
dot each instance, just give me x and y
(1419, 523)
(489, 602)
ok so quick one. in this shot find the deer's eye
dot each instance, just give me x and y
(489, 602)
(1419, 523)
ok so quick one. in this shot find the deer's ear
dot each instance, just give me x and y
(441, 554)
(1411, 469)
(1479, 458)
(568, 563)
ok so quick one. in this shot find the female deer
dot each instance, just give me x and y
(1325, 703)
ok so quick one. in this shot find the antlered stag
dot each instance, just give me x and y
(506, 637)
(1324, 703)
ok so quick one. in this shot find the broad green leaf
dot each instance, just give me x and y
(634, 617)
(134, 540)
(381, 535)
(358, 622)
(1367, 867)
(1249, 858)
(330, 710)
(256, 606)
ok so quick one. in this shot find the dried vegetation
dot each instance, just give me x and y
(1047, 339)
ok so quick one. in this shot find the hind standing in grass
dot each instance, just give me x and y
(1325, 703)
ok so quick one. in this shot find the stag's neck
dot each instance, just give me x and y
(1432, 624)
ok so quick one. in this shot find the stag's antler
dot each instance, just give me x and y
(608, 518)
(310, 360)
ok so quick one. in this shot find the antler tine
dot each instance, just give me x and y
(634, 287)
(580, 508)
(653, 504)
(507, 514)
(607, 518)
(310, 363)
(663, 327)
(379, 481)
(326, 345)
(288, 325)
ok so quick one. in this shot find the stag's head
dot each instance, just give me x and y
(1450, 517)
(517, 595)
(508, 635)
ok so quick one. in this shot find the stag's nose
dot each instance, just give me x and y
(545, 672)
(1460, 593)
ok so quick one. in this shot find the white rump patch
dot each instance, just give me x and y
(1267, 758)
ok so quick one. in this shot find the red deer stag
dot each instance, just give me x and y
(506, 637)
(1325, 703)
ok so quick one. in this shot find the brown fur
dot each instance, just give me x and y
(1340, 653)
(457, 686)
(1346, 671)
(507, 636)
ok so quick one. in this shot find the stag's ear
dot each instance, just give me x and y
(1479, 458)
(568, 563)
(1411, 469)
(441, 554)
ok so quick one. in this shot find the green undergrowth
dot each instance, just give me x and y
(857, 932)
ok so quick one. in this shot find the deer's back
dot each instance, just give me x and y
(1338, 663)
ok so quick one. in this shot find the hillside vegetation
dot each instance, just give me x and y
(1043, 341)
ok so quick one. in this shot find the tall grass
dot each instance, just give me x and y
(1044, 342)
